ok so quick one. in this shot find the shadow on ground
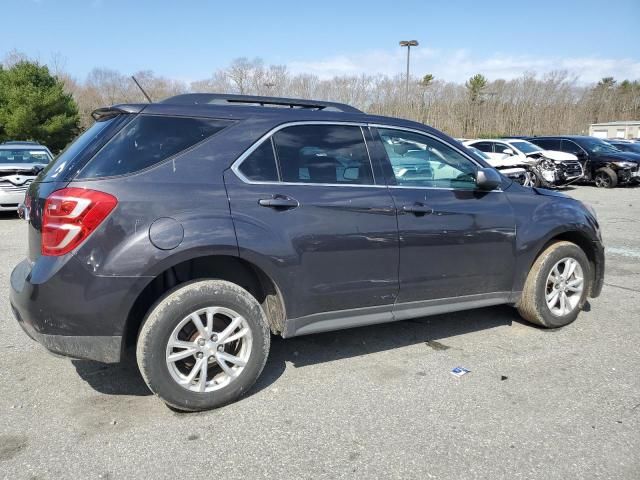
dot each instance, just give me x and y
(124, 378)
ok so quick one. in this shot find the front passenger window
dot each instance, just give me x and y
(422, 161)
(570, 147)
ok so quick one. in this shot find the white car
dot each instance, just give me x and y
(546, 167)
(513, 169)
(20, 163)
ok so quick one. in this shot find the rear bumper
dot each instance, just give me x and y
(70, 311)
(102, 349)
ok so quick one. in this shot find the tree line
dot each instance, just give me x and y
(554, 103)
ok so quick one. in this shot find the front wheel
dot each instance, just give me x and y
(606, 178)
(557, 285)
(203, 345)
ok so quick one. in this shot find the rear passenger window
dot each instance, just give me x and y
(148, 140)
(260, 166)
(333, 154)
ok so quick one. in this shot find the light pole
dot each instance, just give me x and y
(408, 44)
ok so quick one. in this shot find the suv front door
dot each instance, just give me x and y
(456, 242)
(307, 210)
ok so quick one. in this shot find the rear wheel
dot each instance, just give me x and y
(557, 285)
(606, 178)
(203, 345)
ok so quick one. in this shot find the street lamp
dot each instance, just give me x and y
(408, 44)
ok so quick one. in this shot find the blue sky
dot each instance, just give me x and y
(188, 40)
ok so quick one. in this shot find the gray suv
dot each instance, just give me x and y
(189, 231)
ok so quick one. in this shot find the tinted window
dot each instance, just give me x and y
(323, 154)
(261, 164)
(570, 147)
(419, 160)
(83, 148)
(148, 140)
(484, 146)
(547, 143)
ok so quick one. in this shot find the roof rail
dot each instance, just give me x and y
(228, 99)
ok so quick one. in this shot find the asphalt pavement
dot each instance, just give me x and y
(372, 402)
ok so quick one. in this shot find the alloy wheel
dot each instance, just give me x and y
(208, 349)
(564, 287)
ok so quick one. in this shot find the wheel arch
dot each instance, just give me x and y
(580, 239)
(213, 266)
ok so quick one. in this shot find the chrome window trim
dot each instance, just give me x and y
(235, 166)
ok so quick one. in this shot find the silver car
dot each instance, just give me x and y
(20, 163)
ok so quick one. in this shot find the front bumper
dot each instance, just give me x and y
(598, 274)
(9, 201)
(70, 311)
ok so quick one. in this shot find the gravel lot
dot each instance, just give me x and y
(375, 402)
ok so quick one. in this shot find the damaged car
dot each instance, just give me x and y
(20, 163)
(604, 164)
(545, 168)
(513, 169)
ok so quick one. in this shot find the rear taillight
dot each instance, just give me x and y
(69, 217)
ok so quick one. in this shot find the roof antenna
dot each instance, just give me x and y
(141, 89)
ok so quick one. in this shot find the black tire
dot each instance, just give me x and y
(606, 178)
(533, 304)
(174, 308)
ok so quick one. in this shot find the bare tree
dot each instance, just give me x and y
(530, 104)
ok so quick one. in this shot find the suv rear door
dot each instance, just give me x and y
(307, 210)
(456, 242)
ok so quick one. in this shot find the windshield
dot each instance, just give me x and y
(596, 146)
(628, 147)
(525, 147)
(22, 156)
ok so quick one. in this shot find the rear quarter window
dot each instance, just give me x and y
(148, 140)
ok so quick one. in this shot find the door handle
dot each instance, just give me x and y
(279, 202)
(417, 209)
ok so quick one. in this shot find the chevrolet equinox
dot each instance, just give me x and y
(190, 230)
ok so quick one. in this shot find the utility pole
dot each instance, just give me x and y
(408, 44)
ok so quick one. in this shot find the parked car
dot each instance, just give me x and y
(603, 163)
(192, 229)
(20, 162)
(625, 145)
(547, 168)
(514, 169)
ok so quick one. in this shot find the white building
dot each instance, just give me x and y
(627, 129)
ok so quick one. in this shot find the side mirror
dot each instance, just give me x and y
(508, 151)
(488, 179)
